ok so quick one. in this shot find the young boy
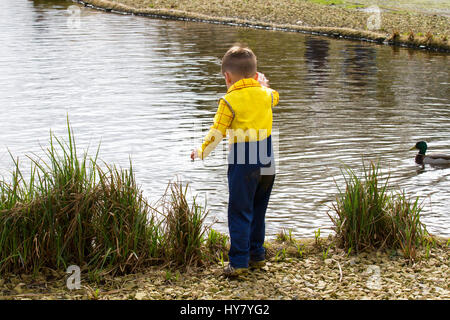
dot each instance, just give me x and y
(245, 114)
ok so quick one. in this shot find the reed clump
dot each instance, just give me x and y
(369, 216)
(70, 211)
(183, 229)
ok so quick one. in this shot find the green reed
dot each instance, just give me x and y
(216, 242)
(184, 228)
(409, 231)
(369, 216)
(285, 236)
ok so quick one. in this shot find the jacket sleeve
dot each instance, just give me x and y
(222, 121)
(275, 98)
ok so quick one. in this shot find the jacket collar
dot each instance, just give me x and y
(244, 83)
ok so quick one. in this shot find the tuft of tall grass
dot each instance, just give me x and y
(360, 210)
(409, 231)
(369, 216)
(128, 233)
(183, 227)
(45, 221)
(72, 211)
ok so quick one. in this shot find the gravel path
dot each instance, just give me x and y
(287, 275)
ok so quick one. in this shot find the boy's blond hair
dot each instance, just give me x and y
(240, 61)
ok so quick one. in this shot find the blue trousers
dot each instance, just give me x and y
(249, 193)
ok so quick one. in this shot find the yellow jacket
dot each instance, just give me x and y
(245, 113)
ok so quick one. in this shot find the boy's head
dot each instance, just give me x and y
(238, 63)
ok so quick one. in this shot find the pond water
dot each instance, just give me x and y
(148, 89)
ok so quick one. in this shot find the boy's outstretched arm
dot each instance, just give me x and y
(222, 121)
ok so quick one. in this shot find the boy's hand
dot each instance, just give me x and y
(262, 79)
(194, 154)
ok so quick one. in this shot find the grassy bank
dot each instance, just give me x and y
(406, 28)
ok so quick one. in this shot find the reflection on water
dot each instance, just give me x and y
(143, 87)
(359, 64)
(316, 59)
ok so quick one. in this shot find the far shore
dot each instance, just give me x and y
(401, 28)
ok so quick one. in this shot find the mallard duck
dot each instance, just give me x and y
(435, 158)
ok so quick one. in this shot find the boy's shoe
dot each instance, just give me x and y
(256, 264)
(230, 271)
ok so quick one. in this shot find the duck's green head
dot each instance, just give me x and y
(421, 146)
